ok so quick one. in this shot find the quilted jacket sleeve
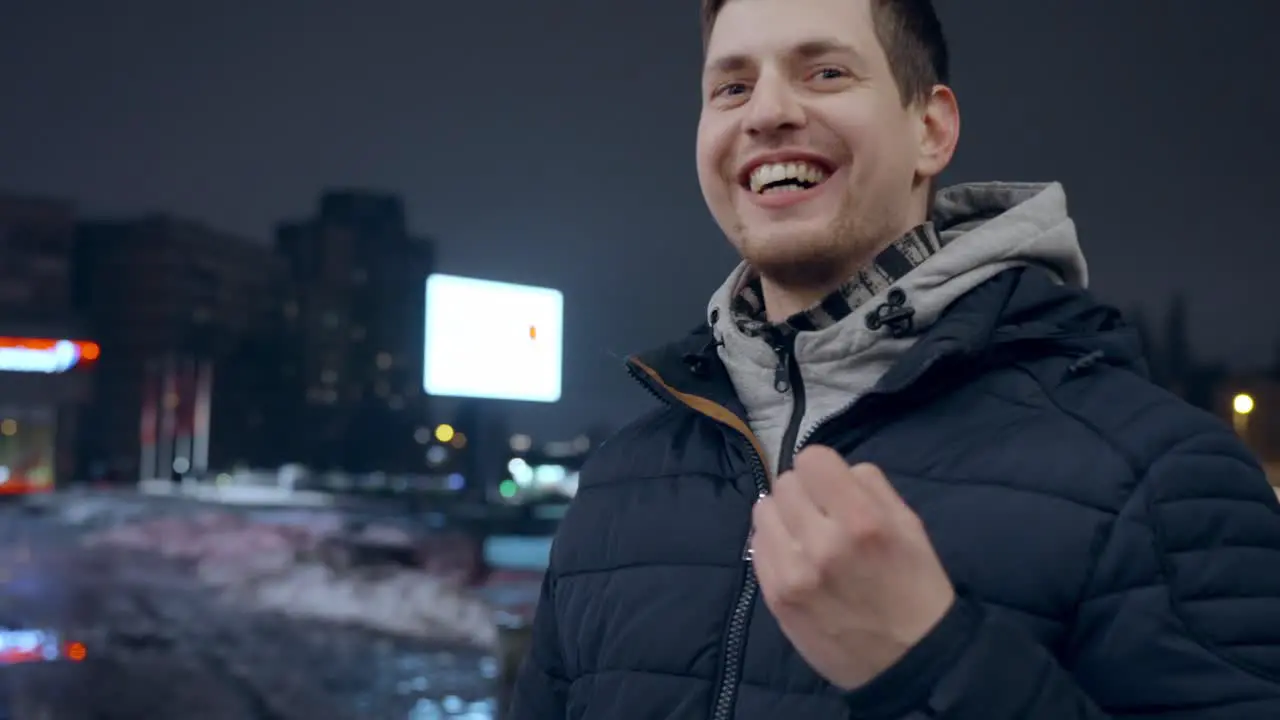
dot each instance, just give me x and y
(540, 686)
(1180, 620)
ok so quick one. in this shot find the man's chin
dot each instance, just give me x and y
(798, 238)
(793, 256)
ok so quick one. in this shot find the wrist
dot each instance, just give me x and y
(907, 683)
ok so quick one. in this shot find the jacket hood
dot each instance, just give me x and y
(985, 228)
(1010, 274)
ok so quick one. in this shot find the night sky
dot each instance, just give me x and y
(551, 142)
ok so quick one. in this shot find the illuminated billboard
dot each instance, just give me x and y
(493, 340)
(44, 355)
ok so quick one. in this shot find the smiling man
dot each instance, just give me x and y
(907, 468)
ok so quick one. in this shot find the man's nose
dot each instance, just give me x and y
(773, 108)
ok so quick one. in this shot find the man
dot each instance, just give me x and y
(908, 469)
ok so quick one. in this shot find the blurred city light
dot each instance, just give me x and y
(1242, 404)
(76, 651)
(444, 433)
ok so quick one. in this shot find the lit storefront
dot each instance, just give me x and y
(43, 384)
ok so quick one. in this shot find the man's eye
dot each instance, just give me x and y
(830, 73)
(729, 89)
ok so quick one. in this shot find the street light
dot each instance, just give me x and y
(444, 433)
(1242, 406)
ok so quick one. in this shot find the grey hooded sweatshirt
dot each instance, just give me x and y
(985, 228)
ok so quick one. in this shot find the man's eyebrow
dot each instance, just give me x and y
(807, 50)
(727, 64)
(819, 47)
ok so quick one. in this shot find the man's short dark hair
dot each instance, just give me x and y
(911, 35)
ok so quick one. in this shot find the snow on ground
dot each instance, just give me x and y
(84, 509)
(277, 567)
(404, 602)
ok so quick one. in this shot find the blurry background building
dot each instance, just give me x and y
(351, 328)
(168, 298)
(44, 376)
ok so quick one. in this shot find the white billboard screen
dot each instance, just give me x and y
(495, 340)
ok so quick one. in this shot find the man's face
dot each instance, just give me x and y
(807, 157)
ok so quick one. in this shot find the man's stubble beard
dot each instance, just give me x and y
(823, 257)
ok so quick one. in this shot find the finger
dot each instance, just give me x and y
(795, 506)
(829, 486)
(772, 546)
(784, 573)
(820, 535)
(877, 486)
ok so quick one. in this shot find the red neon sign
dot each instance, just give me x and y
(45, 355)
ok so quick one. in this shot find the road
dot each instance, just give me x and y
(161, 646)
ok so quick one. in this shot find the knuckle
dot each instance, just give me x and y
(864, 532)
(830, 551)
(869, 539)
(798, 586)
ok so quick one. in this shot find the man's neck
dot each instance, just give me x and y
(782, 302)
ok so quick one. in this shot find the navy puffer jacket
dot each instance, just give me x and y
(1117, 552)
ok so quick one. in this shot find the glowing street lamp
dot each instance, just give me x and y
(444, 433)
(1242, 406)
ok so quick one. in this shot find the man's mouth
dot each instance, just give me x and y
(783, 177)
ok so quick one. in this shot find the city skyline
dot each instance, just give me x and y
(1140, 313)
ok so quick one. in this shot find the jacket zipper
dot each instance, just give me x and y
(869, 397)
(739, 621)
(736, 633)
(912, 381)
(786, 377)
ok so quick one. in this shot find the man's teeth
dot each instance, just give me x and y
(800, 172)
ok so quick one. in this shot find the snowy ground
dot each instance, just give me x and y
(193, 612)
(276, 568)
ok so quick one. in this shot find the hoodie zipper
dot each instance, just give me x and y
(786, 377)
(739, 620)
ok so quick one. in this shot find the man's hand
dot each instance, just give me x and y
(846, 568)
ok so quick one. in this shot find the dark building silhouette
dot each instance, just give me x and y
(486, 425)
(37, 235)
(169, 298)
(351, 329)
(45, 376)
